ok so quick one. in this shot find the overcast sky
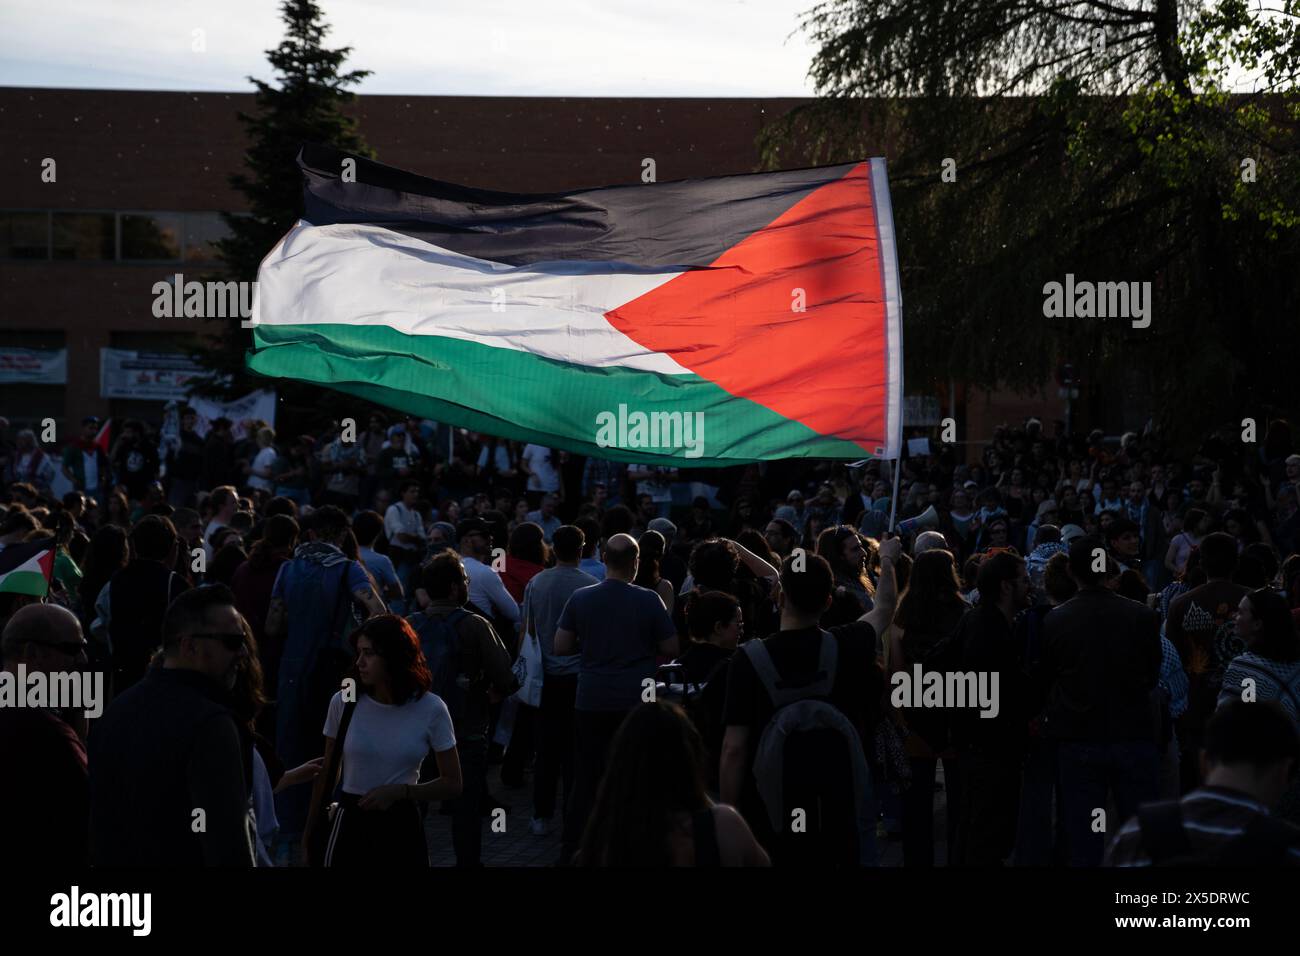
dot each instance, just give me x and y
(484, 47)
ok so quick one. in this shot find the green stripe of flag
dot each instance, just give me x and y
(533, 398)
(24, 582)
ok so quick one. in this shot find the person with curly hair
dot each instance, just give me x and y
(844, 549)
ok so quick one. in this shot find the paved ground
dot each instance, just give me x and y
(517, 846)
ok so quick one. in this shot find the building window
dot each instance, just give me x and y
(189, 237)
(151, 237)
(24, 235)
(202, 230)
(84, 235)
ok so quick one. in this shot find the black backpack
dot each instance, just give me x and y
(1265, 841)
(440, 641)
(810, 759)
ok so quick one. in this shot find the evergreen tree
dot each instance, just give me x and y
(305, 105)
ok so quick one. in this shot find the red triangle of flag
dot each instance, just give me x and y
(46, 561)
(737, 323)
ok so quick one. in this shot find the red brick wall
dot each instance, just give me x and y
(120, 150)
(125, 150)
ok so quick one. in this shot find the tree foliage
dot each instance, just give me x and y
(1103, 138)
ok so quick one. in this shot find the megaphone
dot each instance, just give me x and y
(929, 518)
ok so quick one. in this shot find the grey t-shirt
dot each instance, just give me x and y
(544, 600)
(619, 628)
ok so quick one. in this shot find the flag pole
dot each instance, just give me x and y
(883, 210)
(882, 207)
(893, 507)
(898, 462)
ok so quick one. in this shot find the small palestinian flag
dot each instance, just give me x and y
(102, 439)
(700, 322)
(27, 568)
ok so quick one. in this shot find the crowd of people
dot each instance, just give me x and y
(311, 643)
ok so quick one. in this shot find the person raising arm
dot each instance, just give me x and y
(757, 566)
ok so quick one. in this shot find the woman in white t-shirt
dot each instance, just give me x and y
(394, 724)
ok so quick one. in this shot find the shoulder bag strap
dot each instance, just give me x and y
(334, 773)
(779, 691)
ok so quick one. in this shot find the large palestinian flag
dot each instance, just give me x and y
(27, 568)
(701, 322)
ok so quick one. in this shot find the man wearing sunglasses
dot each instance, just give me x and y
(41, 756)
(169, 782)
